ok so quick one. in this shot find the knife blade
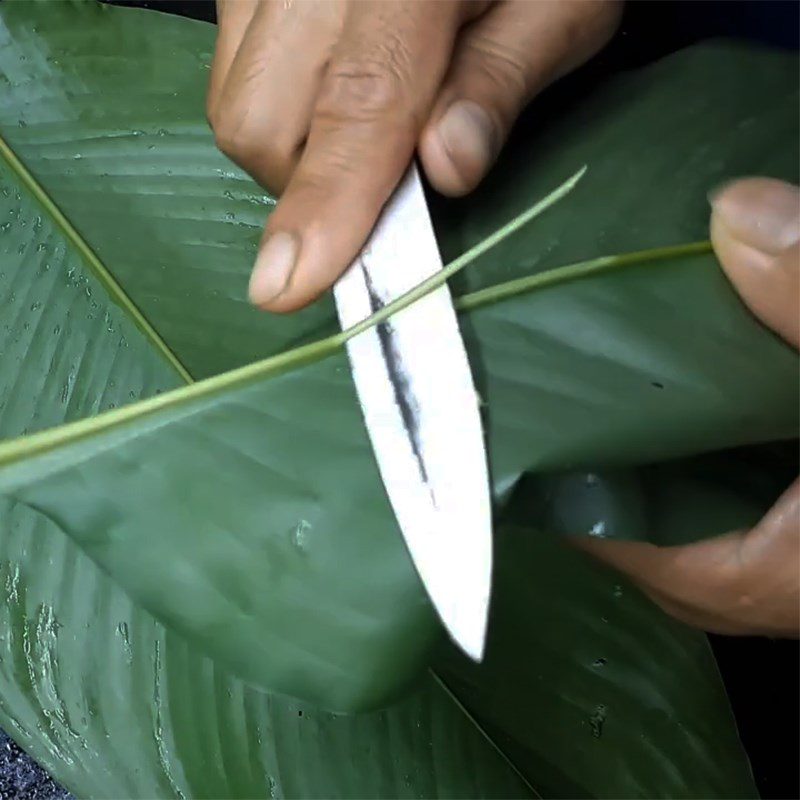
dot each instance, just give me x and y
(422, 413)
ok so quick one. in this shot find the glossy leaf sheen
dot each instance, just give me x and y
(260, 525)
(557, 679)
(253, 524)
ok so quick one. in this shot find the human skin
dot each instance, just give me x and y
(325, 101)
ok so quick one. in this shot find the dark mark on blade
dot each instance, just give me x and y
(398, 378)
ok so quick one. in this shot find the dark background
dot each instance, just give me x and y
(761, 675)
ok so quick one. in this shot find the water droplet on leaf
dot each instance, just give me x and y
(598, 530)
(597, 720)
(300, 535)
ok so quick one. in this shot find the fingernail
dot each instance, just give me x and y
(273, 267)
(468, 135)
(761, 213)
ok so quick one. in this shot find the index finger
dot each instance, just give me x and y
(374, 98)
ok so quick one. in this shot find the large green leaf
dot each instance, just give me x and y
(250, 520)
(589, 692)
(252, 479)
(557, 678)
(562, 632)
(114, 705)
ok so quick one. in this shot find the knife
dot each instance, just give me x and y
(422, 414)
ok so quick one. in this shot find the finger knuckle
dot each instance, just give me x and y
(501, 67)
(211, 109)
(608, 17)
(244, 142)
(230, 134)
(233, 126)
(361, 91)
(591, 24)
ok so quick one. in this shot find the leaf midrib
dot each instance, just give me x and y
(115, 291)
(444, 686)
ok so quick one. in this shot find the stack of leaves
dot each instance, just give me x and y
(198, 563)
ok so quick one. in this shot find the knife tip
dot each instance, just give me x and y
(468, 629)
(474, 649)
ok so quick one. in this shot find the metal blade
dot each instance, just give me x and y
(421, 412)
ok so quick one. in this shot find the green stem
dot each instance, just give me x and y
(571, 272)
(74, 431)
(71, 432)
(441, 277)
(115, 291)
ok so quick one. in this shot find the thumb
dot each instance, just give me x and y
(501, 61)
(755, 229)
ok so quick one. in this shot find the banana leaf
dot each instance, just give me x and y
(238, 527)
